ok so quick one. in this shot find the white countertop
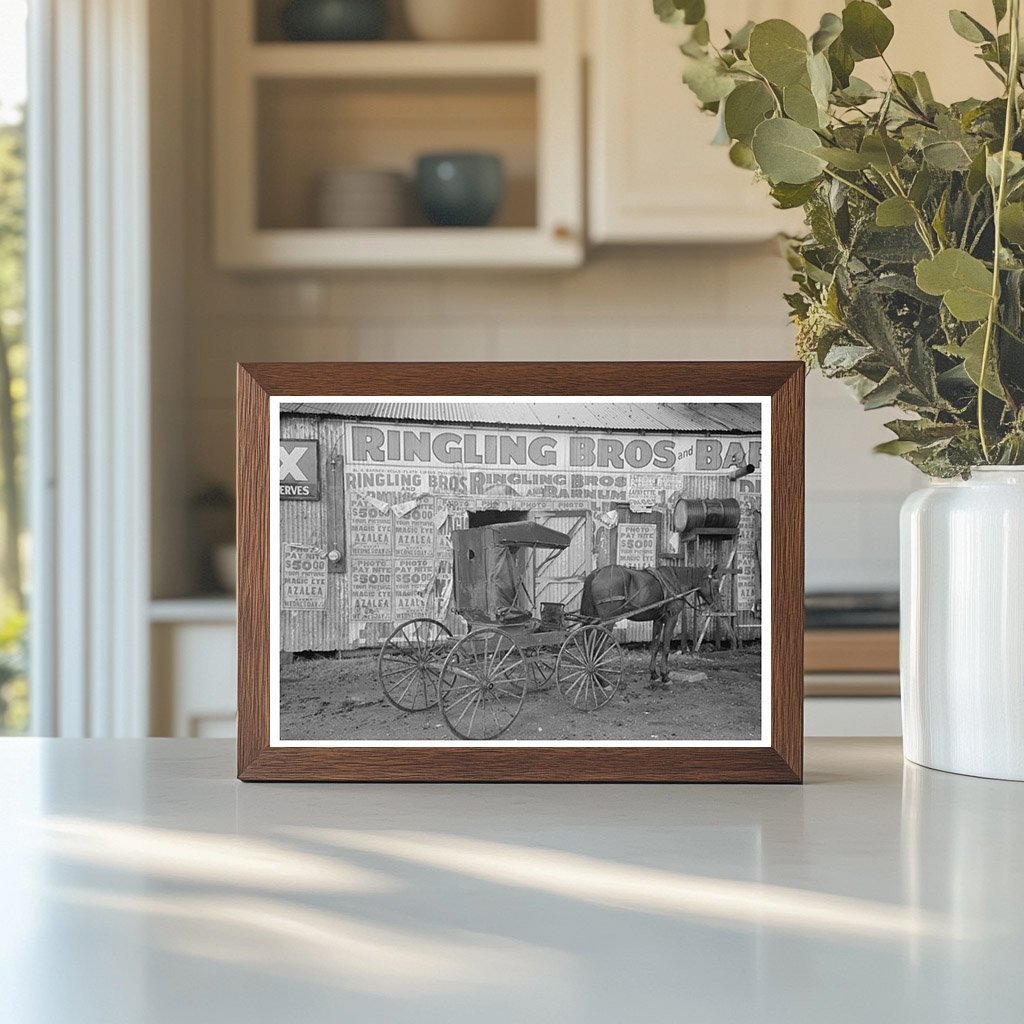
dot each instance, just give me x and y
(143, 885)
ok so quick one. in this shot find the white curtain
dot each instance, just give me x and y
(88, 317)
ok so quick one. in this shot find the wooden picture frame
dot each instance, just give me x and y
(779, 758)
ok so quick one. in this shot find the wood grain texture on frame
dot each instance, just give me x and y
(782, 761)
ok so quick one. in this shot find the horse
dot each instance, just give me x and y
(614, 591)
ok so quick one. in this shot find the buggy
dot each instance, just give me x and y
(481, 680)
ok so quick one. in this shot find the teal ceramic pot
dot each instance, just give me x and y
(462, 190)
(332, 21)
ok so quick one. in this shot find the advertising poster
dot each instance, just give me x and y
(303, 578)
(370, 589)
(748, 582)
(637, 545)
(300, 470)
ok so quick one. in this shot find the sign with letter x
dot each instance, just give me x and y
(300, 470)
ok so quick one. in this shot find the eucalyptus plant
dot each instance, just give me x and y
(910, 278)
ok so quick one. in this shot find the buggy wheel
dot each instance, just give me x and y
(542, 662)
(589, 668)
(483, 684)
(409, 664)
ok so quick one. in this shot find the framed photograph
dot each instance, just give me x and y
(520, 572)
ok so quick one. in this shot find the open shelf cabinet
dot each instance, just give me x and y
(285, 113)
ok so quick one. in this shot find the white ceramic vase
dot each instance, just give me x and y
(962, 624)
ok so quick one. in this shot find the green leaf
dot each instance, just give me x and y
(820, 76)
(841, 60)
(883, 153)
(741, 155)
(896, 212)
(885, 394)
(694, 11)
(866, 29)
(976, 174)
(708, 80)
(923, 431)
(844, 159)
(858, 91)
(778, 50)
(921, 185)
(800, 105)
(971, 352)
(789, 197)
(1014, 169)
(999, 6)
(946, 156)
(906, 88)
(939, 220)
(830, 29)
(924, 87)
(997, 53)
(745, 108)
(1012, 225)
(896, 447)
(739, 41)
(969, 28)
(667, 11)
(785, 152)
(963, 281)
(676, 12)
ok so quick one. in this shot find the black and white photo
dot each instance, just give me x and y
(543, 571)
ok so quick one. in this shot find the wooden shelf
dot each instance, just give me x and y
(400, 247)
(393, 60)
(851, 684)
(852, 650)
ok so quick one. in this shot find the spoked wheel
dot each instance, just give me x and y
(589, 668)
(483, 684)
(410, 663)
(542, 662)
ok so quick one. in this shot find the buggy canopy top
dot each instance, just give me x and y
(528, 535)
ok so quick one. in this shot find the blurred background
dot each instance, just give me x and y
(250, 180)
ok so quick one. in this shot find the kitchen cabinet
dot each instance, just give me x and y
(653, 175)
(192, 649)
(286, 113)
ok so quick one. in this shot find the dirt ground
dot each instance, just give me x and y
(714, 695)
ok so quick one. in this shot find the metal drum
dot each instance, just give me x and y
(694, 515)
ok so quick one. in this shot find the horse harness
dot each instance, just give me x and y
(667, 579)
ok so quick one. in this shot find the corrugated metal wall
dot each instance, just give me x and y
(322, 524)
(319, 524)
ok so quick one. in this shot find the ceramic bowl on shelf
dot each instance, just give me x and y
(460, 189)
(361, 198)
(332, 21)
(470, 20)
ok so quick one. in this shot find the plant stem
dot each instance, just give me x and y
(771, 89)
(993, 309)
(923, 228)
(969, 218)
(856, 188)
